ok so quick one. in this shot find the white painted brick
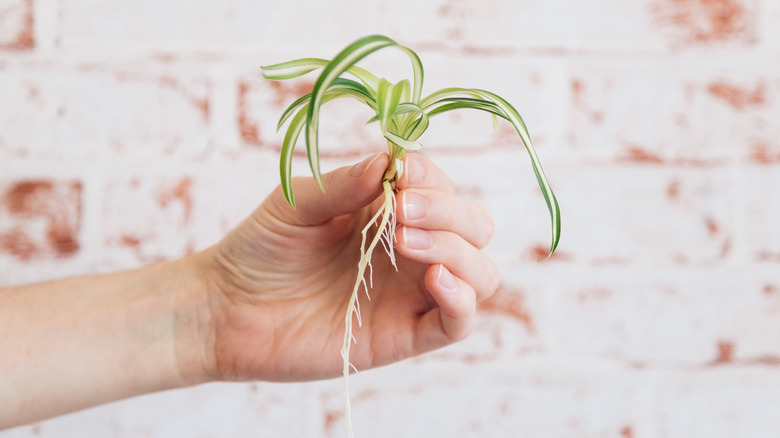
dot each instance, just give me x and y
(687, 109)
(472, 25)
(213, 26)
(62, 111)
(498, 399)
(558, 24)
(166, 211)
(532, 85)
(719, 404)
(762, 212)
(672, 317)
(208, 410)
(343, 130)
(149, 219)
(769, 32)
(655, 121)
(610, 214)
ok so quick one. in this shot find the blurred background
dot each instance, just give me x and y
(138, 131)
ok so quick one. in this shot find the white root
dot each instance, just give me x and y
(384, 219)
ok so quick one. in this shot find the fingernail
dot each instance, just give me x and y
(445, 279)
(415, 206)
(415, 238)
(413, 170)
(361, 167)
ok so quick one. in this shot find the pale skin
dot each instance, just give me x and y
(265, 303)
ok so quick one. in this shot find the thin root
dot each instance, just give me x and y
(384, 219)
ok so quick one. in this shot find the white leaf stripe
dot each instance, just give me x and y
(402, 142)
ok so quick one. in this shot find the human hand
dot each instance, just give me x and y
(280, 282)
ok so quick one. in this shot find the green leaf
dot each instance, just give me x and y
(388, 97)
(517, 121)
(288, 146)
(402, 112)
(300, 67)
(402, 142)
(301, 101)
(383, 114)
(340, 64)
(453, 103)
(418, 72)
(339, 89)
(446, 93)
(415, 126)
(419, 127)
(448, 99)
(346, 87)
(292, 69)
(345, 59)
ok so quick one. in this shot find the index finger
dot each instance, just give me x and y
(420, 172)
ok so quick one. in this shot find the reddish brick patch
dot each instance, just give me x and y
(511, 302)
(539, 252)
(640, 155)
(20, 19)
(762, 153)
(673, 190)
(181, 192)
(768, 256)
(739, 97)
(249, 129)
(331, 418)
(201, 103)
(577, 92)
(130, 241)
(771, 361)
(41, 218)
(712, 226)
(288, 92)
(725, 353)
(705, 21)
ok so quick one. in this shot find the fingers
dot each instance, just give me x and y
(457, 255)
(420, 172)
(439, 228)
(453, 319)
(438, 210)
(346, 189)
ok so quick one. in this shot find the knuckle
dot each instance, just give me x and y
(460, 335)
(488, 230)
(461, 331)
(494, 279)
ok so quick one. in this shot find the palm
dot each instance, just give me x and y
(325, 255)
(287, 275)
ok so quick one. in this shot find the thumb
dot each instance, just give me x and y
(347, 189)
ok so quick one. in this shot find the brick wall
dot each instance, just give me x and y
(132, 132)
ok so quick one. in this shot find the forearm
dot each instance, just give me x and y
(70, 344)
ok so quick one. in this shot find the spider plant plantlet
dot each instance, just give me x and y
(403, 115)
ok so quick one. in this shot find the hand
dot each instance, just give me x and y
(284, 276)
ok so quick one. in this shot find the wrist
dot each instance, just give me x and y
(192, 318)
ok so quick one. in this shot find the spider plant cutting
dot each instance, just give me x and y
(403, 115)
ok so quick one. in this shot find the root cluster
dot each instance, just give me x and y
(384, 220)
